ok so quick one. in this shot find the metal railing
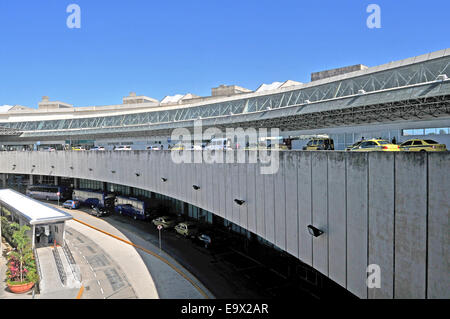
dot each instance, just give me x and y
(38, 268)
(72, 263)
(60, 266)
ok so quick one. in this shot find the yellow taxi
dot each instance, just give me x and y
(349, 148)
(319, 144)
(375, 145)
(78, 148)
(418, 145)
(177, 147)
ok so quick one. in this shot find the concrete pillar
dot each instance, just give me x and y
(56, 180)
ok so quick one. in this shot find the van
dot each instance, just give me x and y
(123, 148)
(319, 144)
(219, 144)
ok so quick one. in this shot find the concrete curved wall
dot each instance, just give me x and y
(389, 209)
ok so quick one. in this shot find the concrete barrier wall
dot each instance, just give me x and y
(388, 209)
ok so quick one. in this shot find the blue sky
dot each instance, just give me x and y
(159, 48)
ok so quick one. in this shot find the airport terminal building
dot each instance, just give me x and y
(373, 207)
(402, 99)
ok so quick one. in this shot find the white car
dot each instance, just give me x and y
(98, 148)
(48, 149)
(123, 148)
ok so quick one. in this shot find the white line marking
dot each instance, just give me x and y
(101, 289)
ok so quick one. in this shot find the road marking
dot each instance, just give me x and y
(80, 292)
(199, 289)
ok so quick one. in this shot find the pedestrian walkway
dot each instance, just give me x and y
(51, 284)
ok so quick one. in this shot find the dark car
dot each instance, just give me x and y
(98, 211)
(209, 238)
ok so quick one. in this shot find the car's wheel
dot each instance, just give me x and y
(423, 151)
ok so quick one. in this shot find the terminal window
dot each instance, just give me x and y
(426, 131)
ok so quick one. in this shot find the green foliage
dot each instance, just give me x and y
(21, 263)
(8, 229)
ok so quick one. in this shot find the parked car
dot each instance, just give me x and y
(376, 145)
(164, 221)
(71, 204)
(48, 149)
(177, 147)
(123, 148)
(98, 211)
(348, 148)
(187, 229)
(418, 145)
(153, 148)
(98, 148)
(319, 144)
(78, 148)
(209, 238)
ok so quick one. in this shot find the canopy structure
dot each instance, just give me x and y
(32, 210)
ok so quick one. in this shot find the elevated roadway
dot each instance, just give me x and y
(388, 209)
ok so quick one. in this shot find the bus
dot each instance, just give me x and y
(48, 192)
(98, 199)
(133, 207)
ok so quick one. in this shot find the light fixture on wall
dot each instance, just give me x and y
(196, 187)
(113, 172)
(316, 232)
(163, 179)
(137, 174)
(53, 166)
(239, 201)
(71, 167)
(90, 169)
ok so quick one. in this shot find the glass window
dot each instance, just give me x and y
(443, 130)
(407, 132)
(430, 131)
(407, 143)
(418, 131)
(417, 143)
(431, 142)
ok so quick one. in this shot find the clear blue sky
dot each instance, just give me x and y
(159, 48)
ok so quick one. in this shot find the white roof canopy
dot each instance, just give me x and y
(32, 210)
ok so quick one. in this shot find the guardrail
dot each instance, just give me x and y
(71, 260)
(38, 267)
(60, 266)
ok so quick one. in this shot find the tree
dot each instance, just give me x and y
(21, 262)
